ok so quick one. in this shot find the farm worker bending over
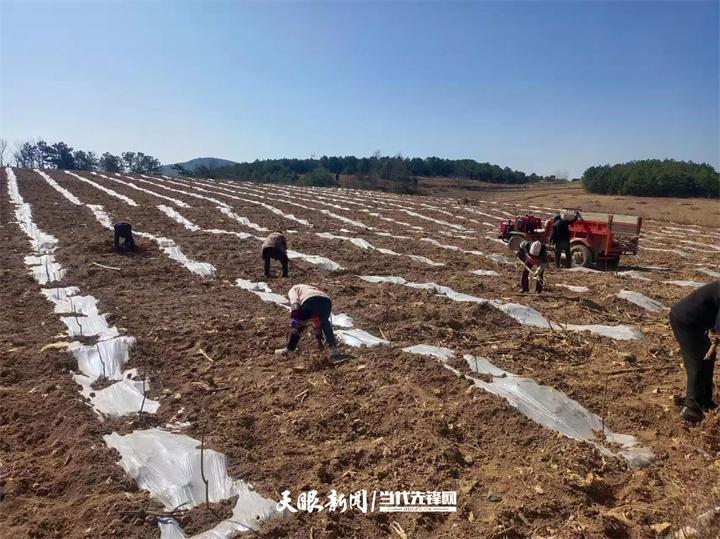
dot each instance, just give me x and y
(534, 257)
(275, 247)
(560, 237)
(691, 319)
(307, 304)
(123, 231)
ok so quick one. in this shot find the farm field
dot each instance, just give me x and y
(689, 211)
(529, 437)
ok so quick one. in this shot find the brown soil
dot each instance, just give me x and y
(205, 517)
(385, 420)
(57, 478)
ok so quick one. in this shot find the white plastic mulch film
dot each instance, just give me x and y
(263, 291)
(129, 201)
(321, 261)
(711, 273)
(641, 300)
(367, 246)
(131, 185)
(165, 464)
(233, 194)
(546, 406)
(485, 273)
(521, 313)
(101, 360)
(555, 410)
(574, 288)
(181, 191)
(169, 466)
(633, 274)
(240, 219)
(686, 284)
(168, 246)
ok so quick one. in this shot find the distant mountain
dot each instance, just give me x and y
(194, 164)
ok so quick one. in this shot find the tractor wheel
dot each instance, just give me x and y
(514, 243)
(581, 256)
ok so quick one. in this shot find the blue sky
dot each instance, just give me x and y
(546, 87)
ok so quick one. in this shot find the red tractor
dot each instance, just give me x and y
(595, 238)
(528, 227)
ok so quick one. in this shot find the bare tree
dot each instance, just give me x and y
(3, 149)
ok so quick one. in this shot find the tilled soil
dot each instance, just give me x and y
(57, 478)
(385, 419)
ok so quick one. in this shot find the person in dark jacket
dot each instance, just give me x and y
(123, 231)
(275, 247)
(309, 304)
(534, 258)
(560, 237)
(691, 319)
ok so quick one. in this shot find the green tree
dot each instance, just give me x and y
(653, 177)
(319, 177)
(25, 155)
(369, 170)
(146, 164)
(85, 160)
(110, 163)
(128, 161)
(139, 163)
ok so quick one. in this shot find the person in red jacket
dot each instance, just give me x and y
(691, 319)
(309, 304)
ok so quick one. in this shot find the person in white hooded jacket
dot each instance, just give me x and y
(534, 258)
(310, 304)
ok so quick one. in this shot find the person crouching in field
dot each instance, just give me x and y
(691, 319)
(308, 304)
(123, 231)
(534, 258)
(275, 247)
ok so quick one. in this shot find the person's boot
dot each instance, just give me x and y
(705, 405)
(336, 355)
(692, 412)
(709, 406)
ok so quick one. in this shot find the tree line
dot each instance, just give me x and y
(40, 154)
(654, 177)
(394, 172)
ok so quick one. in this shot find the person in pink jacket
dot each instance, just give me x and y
(309, 304)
